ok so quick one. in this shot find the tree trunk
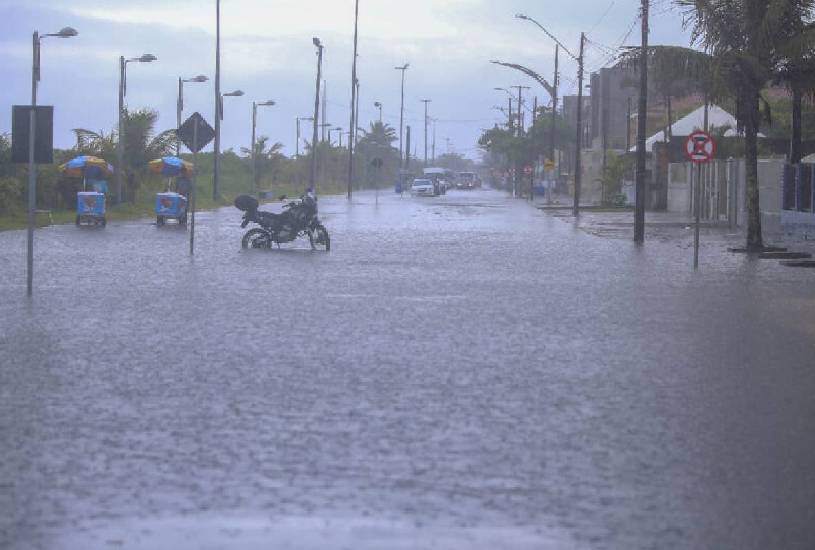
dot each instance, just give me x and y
(670, 120)
(795, 141)
(754, 238)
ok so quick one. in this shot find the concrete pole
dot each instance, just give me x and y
(121, 140)
(579, 145)
(425, 101)
(314, 145)
(639, 210)
(218, 114)
(354, 106)
(32, 166)
(254, 154)
(179, 107)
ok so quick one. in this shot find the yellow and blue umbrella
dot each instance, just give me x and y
(86, 166)
(171, 167)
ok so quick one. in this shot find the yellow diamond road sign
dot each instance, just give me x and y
(548, 165)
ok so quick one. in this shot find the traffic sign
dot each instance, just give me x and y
(549, 165)
(196, 140)
(528, 170)
(700, 147)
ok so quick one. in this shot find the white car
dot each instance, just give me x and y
(423, 187)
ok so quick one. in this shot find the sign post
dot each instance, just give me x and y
(196, 133)
(700, 149)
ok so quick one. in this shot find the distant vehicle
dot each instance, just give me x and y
(423, 187)
(441, 177)
(467, 180)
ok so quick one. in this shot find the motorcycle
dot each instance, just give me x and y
(298, 219)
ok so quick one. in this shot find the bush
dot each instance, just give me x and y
(10, 193)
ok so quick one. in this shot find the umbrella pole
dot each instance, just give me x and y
(84, 182)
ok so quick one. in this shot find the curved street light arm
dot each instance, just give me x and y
(549, 34)
(530, 73)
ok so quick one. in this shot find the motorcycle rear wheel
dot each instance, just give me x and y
(318, 237)
(256, 238)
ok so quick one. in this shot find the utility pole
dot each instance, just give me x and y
(510, 124)
(434, 142)
(402, 162)
(120, 140)
(554, 103)
(639, 213)
(520, 105)
(325, 105)
(354, 106)
(579, 145)
(314, 145)
(217, 147)
(425, 101)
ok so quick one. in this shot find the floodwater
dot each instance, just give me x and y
(460, 372)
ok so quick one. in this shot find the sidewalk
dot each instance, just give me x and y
(666, 226)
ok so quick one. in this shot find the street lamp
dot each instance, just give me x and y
(313, 178)
(255, 106)
(378, 105)
(579, 141)
(180, 105)
(425, 101)
(403, 68)
(297, 144)
(65, 32)
(145, 58)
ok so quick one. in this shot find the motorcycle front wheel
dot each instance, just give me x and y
(319, 238)
(256, 238)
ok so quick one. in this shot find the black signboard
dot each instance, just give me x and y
(187, 133)
(43, 135)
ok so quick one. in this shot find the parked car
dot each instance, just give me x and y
(423, 187)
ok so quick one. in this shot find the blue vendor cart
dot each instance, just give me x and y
(171, 206)
(90, 205)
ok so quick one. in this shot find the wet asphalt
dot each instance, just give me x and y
(459, 372)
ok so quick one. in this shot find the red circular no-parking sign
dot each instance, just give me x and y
(700, 147)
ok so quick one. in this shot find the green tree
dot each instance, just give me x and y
(746, 39)
(142, 144)
(266, 161)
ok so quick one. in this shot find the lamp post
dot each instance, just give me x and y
(146, 58)
(403, 68)
(580, 73)
(378, 105)
(180, 105)
(313, 178)
(354, 104)
(297, 144)
(216, 160)
(65, 32)
(255, 106)
(425, 101)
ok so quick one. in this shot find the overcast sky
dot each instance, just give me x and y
(267, 52)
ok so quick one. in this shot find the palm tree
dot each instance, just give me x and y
(674, 71)
(746, 39)
(266, 157)
(797, 72)
(141, 144)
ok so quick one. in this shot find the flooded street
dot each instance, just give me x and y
(460, 372)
